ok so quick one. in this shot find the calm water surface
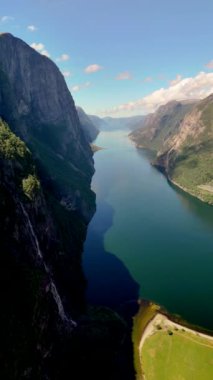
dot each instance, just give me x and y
(147, 239)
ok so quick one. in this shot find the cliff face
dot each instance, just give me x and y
(181, 136)
(88, 127)
(188, 159)
(45, 204)
(160, 126)
(36, 102)
(36, 309)
(47, 332)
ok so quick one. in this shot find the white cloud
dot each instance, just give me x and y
(40, 48)
(66, 73)
(32, 28)
(124, 76)
(5, 19)
(197, 87)
(209, 65)
(64, 57)
(93, 68)
(81, 86)
(46, 53)
(37, 46)
(176, 80)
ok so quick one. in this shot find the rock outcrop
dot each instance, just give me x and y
(158, 127)
(88, 127)
(36, 307)
(47, 331)
(38, 106)
(45, 205)
(181, 136)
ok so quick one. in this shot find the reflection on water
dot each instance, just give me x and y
(149, 233)
(110, 283)
(200, 209)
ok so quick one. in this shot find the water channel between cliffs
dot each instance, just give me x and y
(147, 239)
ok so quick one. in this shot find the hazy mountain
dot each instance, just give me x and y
(98, 122)
(129, 123)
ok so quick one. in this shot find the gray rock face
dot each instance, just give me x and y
(87, 125)
(159, 126)
(35, 101)
(37, 82)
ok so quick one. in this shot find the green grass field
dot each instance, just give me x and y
(179, 356)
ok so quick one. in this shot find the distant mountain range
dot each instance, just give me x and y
(180, 134)
(113, 123)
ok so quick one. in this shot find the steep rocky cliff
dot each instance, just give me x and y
(47, 332)
(45, 328)
(88, 127)
(188, 157)
(158, 127)
(36, 102)
(33, 311)
(181, 136)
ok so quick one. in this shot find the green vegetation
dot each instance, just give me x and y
(193, 166)
(190, 166)
(11, 146)
(31, 186)
(177, 355)
(145, 314)
(19, 161)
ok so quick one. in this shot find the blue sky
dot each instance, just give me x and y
(121, 57)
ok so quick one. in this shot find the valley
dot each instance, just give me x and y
(100, 216)
(151, 239)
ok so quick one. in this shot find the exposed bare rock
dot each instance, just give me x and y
(35, 101)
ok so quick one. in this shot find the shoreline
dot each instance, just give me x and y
(166, 323)
(150, 319)
(160, 318)
(184, 189)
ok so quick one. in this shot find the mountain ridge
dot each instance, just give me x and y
(181, 137)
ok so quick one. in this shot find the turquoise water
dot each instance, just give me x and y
(147, 239)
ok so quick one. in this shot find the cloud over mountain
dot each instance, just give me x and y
(81, 86)
(40, 48)
(197, 87)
